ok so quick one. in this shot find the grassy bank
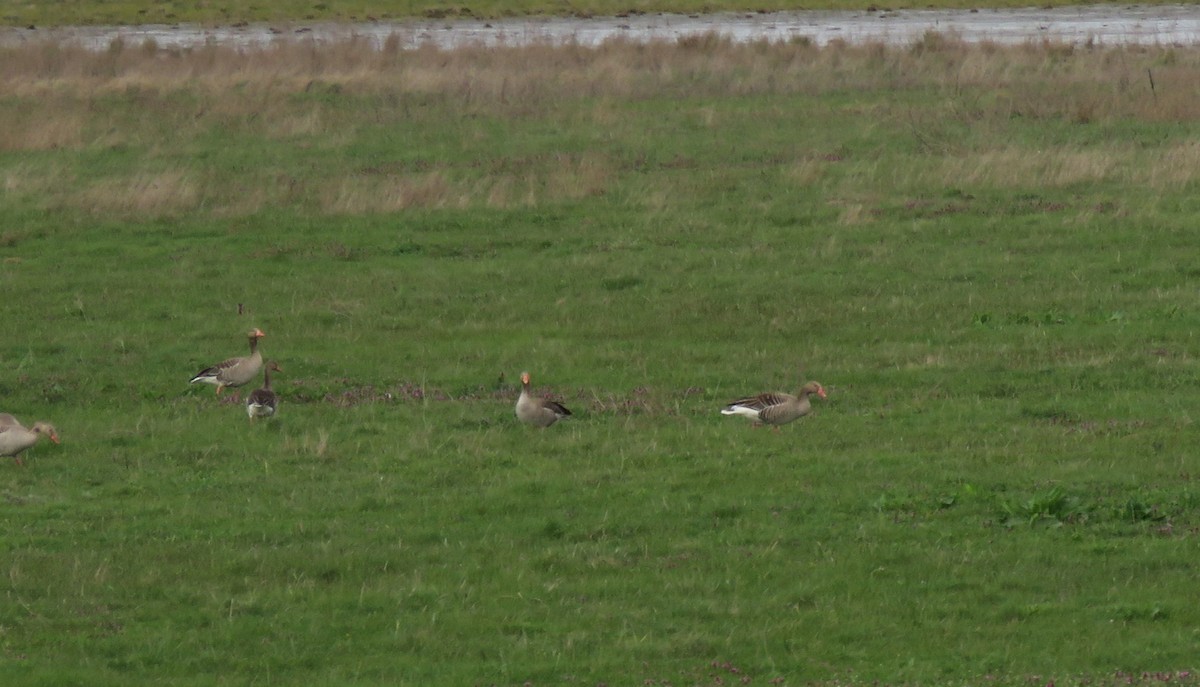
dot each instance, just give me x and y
(66, 13)
(986, 255)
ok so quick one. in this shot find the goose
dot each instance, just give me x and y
(15, 438)
(235, 371)
(775, 408)
(539, 412)
(262, 402)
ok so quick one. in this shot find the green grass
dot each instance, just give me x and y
(986, 255)
(73, 12)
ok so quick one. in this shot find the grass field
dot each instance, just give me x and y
(986, 255)
(72, 12)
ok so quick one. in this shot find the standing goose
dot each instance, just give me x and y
(262, 402)
(775, 408)
(14, 438)
(235, 371)
(539, 412)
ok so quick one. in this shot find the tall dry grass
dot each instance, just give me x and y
(63, 97)
(1035, 79)
(142, 194)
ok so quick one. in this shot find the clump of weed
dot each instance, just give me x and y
(1053, 507)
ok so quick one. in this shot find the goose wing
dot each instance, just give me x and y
(556, 408)
(216, 370)
(760, 402)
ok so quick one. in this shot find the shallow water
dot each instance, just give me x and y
(1104, 25)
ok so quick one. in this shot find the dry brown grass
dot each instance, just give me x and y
(166, 193)
(361, 195)
(1057, 167)
(527, 184)
(58, 97)
(1036, 79)
(28, 130)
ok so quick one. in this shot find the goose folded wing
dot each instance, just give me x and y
(761, 401)
(556, 408)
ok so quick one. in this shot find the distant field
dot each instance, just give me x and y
(71, 12)
(986, 255)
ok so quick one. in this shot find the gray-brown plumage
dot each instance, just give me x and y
(539, 412)
(235, 371)
(776, 408)
(15, 438)
(263, 402)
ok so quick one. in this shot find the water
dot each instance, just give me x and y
(1103, 25)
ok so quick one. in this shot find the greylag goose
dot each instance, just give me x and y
(775, 408)
(15, 438)
(263, 401)
(235, 371)
(539, 412)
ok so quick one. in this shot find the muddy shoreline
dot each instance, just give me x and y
(1100, 24)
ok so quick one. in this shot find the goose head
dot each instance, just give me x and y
(813, 388)
(45, 429)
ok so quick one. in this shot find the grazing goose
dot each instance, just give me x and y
(262, 402)
(14, 438)
(775, 408)
(235, 371)
(539, 412)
